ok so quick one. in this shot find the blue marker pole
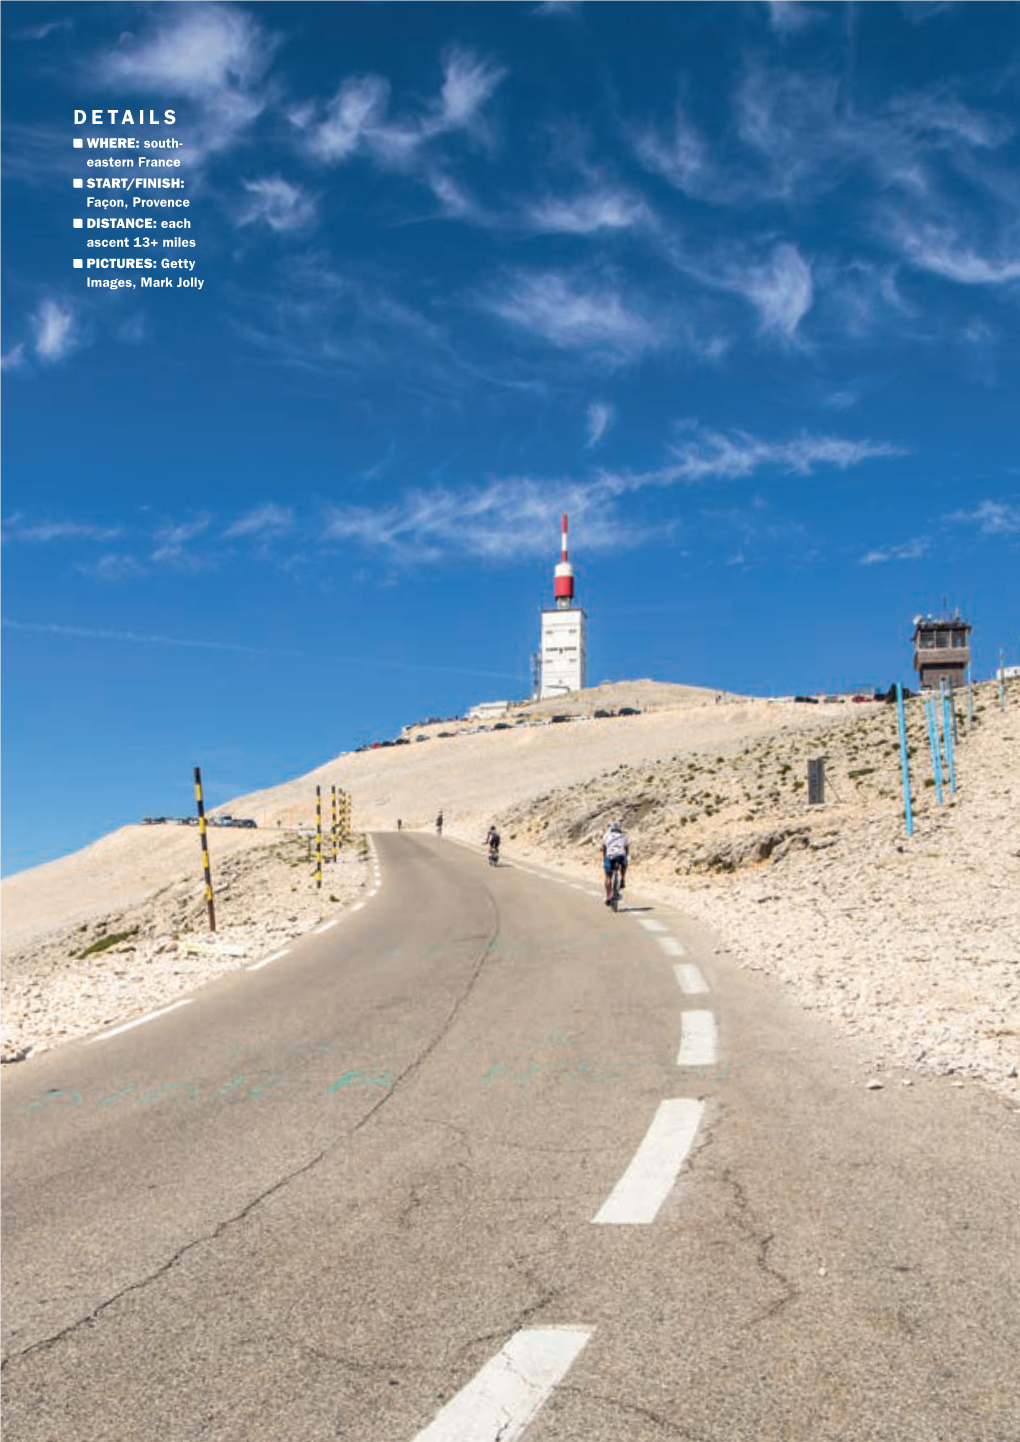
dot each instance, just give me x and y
(907, 809)
(947, 731)
(933, 742)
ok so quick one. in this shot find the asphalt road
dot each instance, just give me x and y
(483, 1160)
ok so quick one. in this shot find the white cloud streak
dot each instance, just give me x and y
(908, 551)
(88, 633)
(572, 317)
(55, 331)
(588, 214)
(215, 55)
(43, 532)
(992, 518)
(263, 521)
(357, 121)
(278, 205)
(600, 418)
(516, 516)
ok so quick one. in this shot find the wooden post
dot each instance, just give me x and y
(318, 838)
(205, 849)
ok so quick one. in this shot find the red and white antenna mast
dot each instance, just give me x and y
(563, 586)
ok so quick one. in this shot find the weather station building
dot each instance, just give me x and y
(563, 657)
(941, 650)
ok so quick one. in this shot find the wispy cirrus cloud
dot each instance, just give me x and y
(14, 358)
(278, 205)
(992, 518)
(911, 550)
(795, 134)
(36, 33)
(15, 528)
(357, 119)
(216, 55)
(515, 516)
(55, 331)
(573, 315)
(789, 17)
(600, 418)
(262, 521)
(90, 633)
(112, 568)
(586, 214)
(172, 539)
(940, 250)
(780, 289)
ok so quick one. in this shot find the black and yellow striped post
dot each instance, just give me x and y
(205, 849)
(345, 816)
(335, 845)
(318, 838)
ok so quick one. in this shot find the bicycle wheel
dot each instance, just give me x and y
(614, 895)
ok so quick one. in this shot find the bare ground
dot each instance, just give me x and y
(913, 942)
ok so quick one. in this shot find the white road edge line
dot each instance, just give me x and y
(152, 1016)
(326, 925)
(509, 1390)
(649, 924)
(648, 1180)
(671, 946)
(357, 906)
(267, 959)
(698, 1040)
(690, 978)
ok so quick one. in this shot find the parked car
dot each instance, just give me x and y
(557, 719)
(628, 711)
(602, 715)
(807, 700)
(501, 726)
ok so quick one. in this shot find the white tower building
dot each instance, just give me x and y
(564, 659)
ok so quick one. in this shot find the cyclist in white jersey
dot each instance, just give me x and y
(615, 853)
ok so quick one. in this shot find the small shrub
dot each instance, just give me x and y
(105, 942)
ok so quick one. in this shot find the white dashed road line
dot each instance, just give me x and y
(326, 925)
(698, 1040)
(671, 946)
(648, 1180)
(649, 924)
(267, 959)
(509, 1390)
(140, 1021)
(690, 979)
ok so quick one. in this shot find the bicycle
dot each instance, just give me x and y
(493, 855)
(615, 877)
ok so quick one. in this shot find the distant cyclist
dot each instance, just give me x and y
(439, 824)
(615, 854)
(492, 842)
(400, 824)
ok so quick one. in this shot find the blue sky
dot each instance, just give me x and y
(736, 285)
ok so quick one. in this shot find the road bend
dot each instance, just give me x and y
(484, 1160)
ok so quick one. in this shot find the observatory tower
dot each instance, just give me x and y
(564, 639)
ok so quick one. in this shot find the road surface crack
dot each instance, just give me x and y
(631, 1409)
(742, 1214)
(491, 941)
